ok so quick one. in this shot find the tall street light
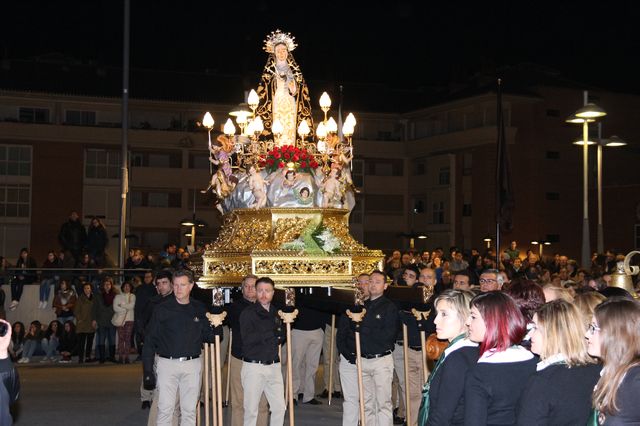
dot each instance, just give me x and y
(612, 142)
(540, 244)
(585, 115)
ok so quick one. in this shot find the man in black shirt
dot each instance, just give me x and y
(144, 293)
(176, 331)
(235, 362)
(378, 334)
(261, 372)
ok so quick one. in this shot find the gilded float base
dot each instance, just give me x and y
(295, 247)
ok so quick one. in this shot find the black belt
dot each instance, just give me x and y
(415, 348)
(372, 356)
(257, 361)
(180, 358)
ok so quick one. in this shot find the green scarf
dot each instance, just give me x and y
(423, 414)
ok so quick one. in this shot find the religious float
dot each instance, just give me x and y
(284, 187)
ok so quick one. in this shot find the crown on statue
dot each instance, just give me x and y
(278, 37)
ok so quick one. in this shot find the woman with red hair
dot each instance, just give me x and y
(494, 385)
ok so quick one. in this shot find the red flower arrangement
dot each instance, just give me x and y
(280, 157)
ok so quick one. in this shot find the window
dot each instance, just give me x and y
(420, 167)
(443, 176)
(199, 160)
(161, 159)
(384, 204)
(171, 198)
(385, 167)
(15, 160)
(357, 173)
(467, 166)
(102, 164)
(466, 210)
(438, 213)
(552, 196)
(418, 204)
(80, 118)
(33, 115)
(552, 155)
(14, 200)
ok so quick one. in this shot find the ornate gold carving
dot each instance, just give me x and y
(302, 266)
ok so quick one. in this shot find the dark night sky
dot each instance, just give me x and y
(399, 43)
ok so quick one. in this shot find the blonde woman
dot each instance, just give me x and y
(559, 393)
(442, 402)
(586, 303)
(553, 292)
(614, 337)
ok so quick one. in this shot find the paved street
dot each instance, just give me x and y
(108, 395)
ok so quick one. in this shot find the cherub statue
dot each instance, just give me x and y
(222, 181)
(258, 187)
(332, 189)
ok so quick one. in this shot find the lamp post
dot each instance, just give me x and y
(193, 222)
(487, 239)
(540, 244)
(585, 115)
(612, 142)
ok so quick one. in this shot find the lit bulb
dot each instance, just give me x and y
(277, 127)
(229, 128)
(347, 129)
(322, 146)
(241, 120)
(253, 99)
(251, 127)
(325, 101)
(207, 121)
(332, 126)
(258, 126)
(321, 131)
(303, 128)
(351, 120)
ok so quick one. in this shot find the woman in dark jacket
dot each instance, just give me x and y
(443, 394)
(48, 278)
(559, 393)
(22, 277)
(51, 340)
(85, 323)
(64, 302)
(31, 341)
(68, 342)
(493, 386)
(97, 240)
(105, 330)
(17, 341)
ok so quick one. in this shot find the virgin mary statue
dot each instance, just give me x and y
(284, 95)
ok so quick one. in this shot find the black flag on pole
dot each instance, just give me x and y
(505, 200)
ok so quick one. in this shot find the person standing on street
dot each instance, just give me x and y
(262, 335)
(176, 331)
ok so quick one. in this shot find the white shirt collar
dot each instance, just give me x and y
(459, 344)
(513, 354)
(553, 359)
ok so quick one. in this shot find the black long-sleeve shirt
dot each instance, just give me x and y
(558, 395)
(627, 401)
(262, 333)
(446, 394)
(176, 330)
(10, 379)
(345, 339)
(379, 327)
(309, 319)
(233, 317)
(492, 391)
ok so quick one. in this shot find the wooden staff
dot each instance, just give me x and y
(405, 348)
(214, 397)
(206, 385)
(332, 342)
(218, 379)
(226, 399)
(288, 318)
(357, 317)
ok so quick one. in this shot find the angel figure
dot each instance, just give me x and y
(332, 189)
(258, 187)
(222, 181)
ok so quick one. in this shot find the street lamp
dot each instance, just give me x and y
(412, 238)
(540, 244)
(585, 115)
(193, 222)
(612, 142)
(487, 239)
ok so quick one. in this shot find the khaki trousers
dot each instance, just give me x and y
(237, 398)
(415, 380)
(153, 410)
(259, 378)
(326, 348)
(377, 374)
(351, 395)
(306, 346)
(178, 378)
